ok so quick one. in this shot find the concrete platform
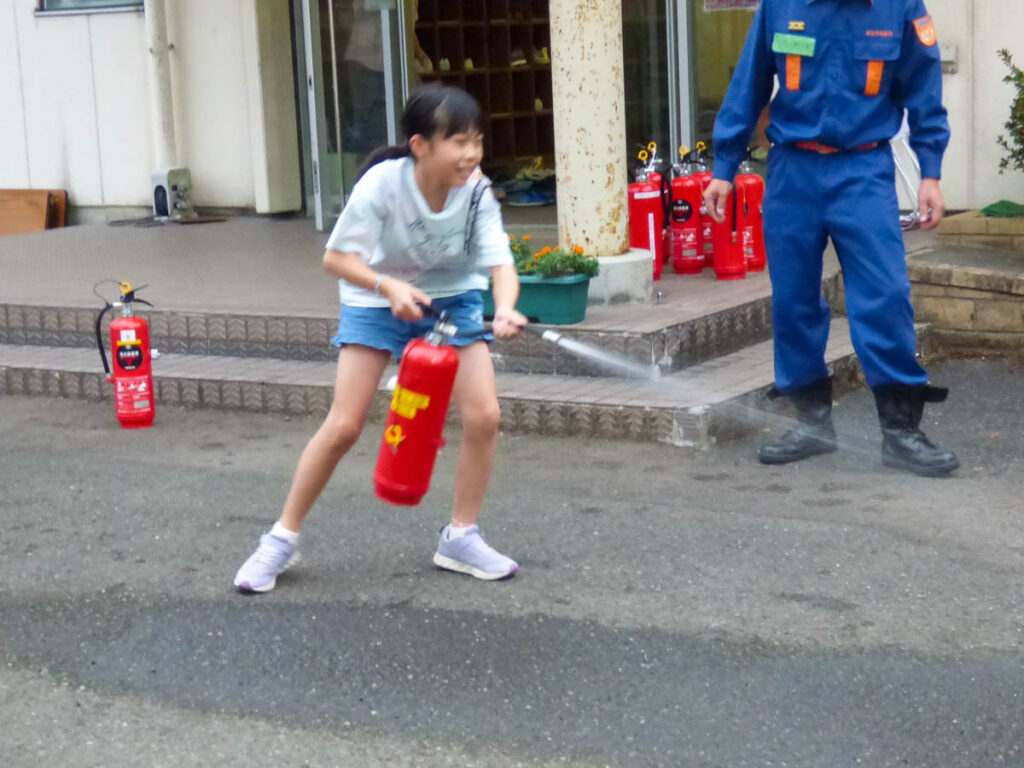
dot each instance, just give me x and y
(693, 407)
(245, 311)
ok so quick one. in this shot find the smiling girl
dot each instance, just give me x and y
(402, 241)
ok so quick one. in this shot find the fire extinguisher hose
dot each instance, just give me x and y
(99, 337)
(620, 364)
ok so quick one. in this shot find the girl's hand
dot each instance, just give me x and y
(508, 323)
(405, 298)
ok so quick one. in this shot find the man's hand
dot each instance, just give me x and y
(508, 323)
(715, 198)
(931, 206)
(405, 298)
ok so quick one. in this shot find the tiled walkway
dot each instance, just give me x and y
(266, 266)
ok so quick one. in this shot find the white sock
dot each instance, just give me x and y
(458, 530)
(281, 532)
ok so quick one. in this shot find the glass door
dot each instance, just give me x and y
(648, 77)
(356, 80)
(718, 30)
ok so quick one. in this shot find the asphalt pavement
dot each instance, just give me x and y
(672, 608)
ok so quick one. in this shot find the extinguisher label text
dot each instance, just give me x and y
(129, 357)
(407, 403)
(681, 210)
(127, 336)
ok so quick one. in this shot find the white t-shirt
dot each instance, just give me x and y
(389, 224)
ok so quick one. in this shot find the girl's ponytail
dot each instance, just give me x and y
(380, 154)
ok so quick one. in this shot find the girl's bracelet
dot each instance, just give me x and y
(376, 286)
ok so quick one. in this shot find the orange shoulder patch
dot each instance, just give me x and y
(925, 29)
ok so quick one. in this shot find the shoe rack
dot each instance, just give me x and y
(494, 50)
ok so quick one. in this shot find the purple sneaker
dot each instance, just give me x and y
(471, 554)
(272, 557)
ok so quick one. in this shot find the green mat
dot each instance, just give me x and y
(1003, 209)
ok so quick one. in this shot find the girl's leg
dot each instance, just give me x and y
(477, 401)
(359, 372)
(461, 548)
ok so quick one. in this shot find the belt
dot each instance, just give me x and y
(824, 149)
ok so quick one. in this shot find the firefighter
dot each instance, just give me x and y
(847, 70)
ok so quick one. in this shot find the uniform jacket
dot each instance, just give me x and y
(847, 69)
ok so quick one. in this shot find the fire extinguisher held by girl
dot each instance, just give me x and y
(403, 241)
(131, 358)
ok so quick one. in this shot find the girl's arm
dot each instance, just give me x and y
(405, 298)
(507, 321)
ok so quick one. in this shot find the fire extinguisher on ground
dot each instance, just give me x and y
(419, 405)
(647, 212)
(729, 262)
(684, 241)
(699, 170)
(131, 358)
(750, 216)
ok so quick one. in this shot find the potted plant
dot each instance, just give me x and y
(553, 284)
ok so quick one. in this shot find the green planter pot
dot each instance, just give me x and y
(548, 300)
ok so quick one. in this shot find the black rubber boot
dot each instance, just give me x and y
(813, 434)
(904, 445)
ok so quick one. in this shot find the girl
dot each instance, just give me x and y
(402, 242)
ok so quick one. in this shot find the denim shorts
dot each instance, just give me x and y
(377, 328)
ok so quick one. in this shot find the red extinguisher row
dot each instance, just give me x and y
(668, 217)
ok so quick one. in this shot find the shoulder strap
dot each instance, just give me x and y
(474, 208)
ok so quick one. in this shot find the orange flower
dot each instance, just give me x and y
(578, 250)
(526, 238)
(536, 257)
(545, 250)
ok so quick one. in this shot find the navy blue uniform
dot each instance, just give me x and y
(847, 69)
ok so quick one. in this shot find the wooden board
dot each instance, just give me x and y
(58, 209)
(24, 210)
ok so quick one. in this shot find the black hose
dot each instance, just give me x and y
(99, 337)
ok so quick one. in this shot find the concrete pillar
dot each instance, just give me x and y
(160, 85)
(590, 144)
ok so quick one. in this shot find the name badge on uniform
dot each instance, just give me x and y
(794, 45)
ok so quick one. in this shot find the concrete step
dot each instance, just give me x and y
(693, 407)
(674, 337)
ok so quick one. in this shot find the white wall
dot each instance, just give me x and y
(75, 114)
(977, 99)
(997, 24)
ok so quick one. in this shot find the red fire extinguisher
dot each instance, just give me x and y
(684, 227)
(703, 175)
(419, 404)
(647, 213)
(750, 216)
(132, 374)
(729, 262)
